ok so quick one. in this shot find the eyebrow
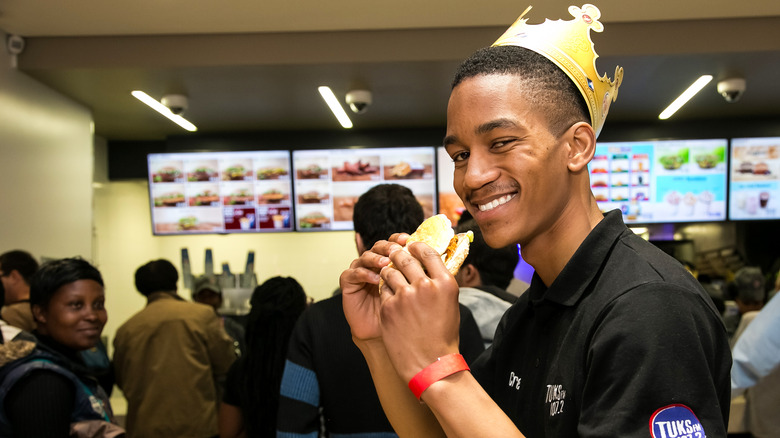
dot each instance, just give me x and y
(495, 124)
(484, 128)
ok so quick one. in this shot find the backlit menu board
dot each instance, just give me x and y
(755, 179)
(328, 182)
(662, 181)
(220, 192)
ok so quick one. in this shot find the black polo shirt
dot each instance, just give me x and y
(624, 343)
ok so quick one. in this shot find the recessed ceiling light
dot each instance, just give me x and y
(685, 96)
(335, 106)
(164, 110)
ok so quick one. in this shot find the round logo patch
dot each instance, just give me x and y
(675, 421)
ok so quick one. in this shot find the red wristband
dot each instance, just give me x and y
(443, 367)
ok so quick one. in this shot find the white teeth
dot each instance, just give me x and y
(495, 203)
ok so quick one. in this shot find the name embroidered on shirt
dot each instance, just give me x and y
(555, 397)
(514, 381)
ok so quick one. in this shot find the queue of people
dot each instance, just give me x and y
(173, 360)
(613, 337)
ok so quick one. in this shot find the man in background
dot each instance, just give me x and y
(207, 290)
(325, 370)
(168, 358)
(749, 289)
(483, 279)
(16, 269)
(756, 371)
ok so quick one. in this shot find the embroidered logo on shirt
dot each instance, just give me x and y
(514, 380)
(555, 398)
(675, 421)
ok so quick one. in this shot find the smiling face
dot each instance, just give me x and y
(75, 315)
(510, 170)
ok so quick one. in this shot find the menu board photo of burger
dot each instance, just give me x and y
(400, 167)
(237, 170)
(238, 194)
(216, 192)
(313, 192)
(272, 192)
(273, 169)
(201, 170)
(167, 171)
(311, 165)
(188, 221)
(168, 195)
(755, 179)
(203, 195)
(312, 217)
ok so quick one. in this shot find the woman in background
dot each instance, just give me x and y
(45, 387)
(251, 397)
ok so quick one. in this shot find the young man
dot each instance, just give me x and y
(613, 337)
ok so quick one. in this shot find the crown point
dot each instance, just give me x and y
(568, 45)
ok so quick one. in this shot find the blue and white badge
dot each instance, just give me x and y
(675, 421)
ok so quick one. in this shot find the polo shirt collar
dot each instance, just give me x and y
(581, 269)
(155, 296)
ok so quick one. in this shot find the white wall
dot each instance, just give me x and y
(45, 168)
(124, 241)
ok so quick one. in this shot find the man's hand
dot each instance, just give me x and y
(360, 291)
(419, 313)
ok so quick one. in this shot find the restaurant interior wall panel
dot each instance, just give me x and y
(46, 167)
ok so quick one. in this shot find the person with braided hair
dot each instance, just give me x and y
(251, 397)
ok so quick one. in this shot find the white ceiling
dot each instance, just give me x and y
(255, 65)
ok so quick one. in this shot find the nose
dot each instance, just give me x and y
(91, 314)
(480, 170)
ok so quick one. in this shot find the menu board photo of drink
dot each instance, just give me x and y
(220, 192)
(662, 181)
(755, 179)
(328, 182)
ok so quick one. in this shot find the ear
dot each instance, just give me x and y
(16, 277)
(39, 314)
(469, 276)
(582, 146)
(359, 244)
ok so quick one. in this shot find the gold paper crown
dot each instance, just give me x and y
(568, 45)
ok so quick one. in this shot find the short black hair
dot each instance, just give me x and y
(21, 261)
(54, 274)
(547, 86)
(496, 266)
(156, 276)
(386, 209)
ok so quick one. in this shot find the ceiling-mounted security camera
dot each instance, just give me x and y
(14, 44)
(358, 100)
(732, 89)
(177, 103)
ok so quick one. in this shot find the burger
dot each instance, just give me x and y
(745, 167)
(314, 220)
(407, 170)
(167, 174)
(437, 232)
(761, 169)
